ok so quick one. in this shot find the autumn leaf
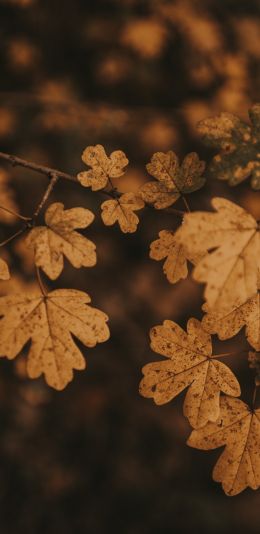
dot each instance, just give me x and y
(190, 364)
(238, 428)
(227, 322)
(122, 210)
(239, 146)
(50, 322)
(4, 271)
(103, 167)
(59, 238)
(173, 179)
(175, 266)
(231, 268)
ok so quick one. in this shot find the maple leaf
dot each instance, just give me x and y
(239, 144)
(190, 364)
(4, 271)
(121, 210)
(231, 268)
(174, 179)
(238, 428)
(58, 238)
(167, 246)
(227, 322)
(50, 321)
(103, 167)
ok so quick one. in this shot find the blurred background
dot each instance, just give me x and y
(134, 75)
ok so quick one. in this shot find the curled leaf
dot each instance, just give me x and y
(59, 238)
(102, 167)
(122, 210)
(239, 143)
(190, 364)
(238, 428)
(50, 322)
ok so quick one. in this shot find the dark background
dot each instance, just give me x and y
(135, 75)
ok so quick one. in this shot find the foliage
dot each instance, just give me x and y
(223, 247)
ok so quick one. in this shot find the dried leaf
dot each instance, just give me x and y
(174, 179)
(231, 269)
(167, 246)
(230, 320)
(50, 321)
(4, 271)
(190, 364)
(239, 144)
(58, 238)
(121, 210)
(103, 167)
(238, 428)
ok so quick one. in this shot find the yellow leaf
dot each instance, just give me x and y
(231, 268)
(103, 167)
(4, 271)
(190, 363)
(238, 428)
(58, 238)
(50, 322)
(167, 246)
(173, 179)
(121, 210)
(227, 322)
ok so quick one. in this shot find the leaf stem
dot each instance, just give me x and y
(230, 353)
(40, 282)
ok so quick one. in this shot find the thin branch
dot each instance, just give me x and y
(47, 171)
(15, 214)
(46, 195)
(19, 232)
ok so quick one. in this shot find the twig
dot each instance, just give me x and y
(46, 195)
(21, 231)
(15, 214)
(47, 171)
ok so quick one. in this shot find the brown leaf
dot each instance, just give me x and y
(231, 268)
(190, 364)
(4, 271)
(167, 246)
(238, 428)
(227, 322)
(50, 322)
(103, 167)
(58, 238)
(174, 179)
(121, 210)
